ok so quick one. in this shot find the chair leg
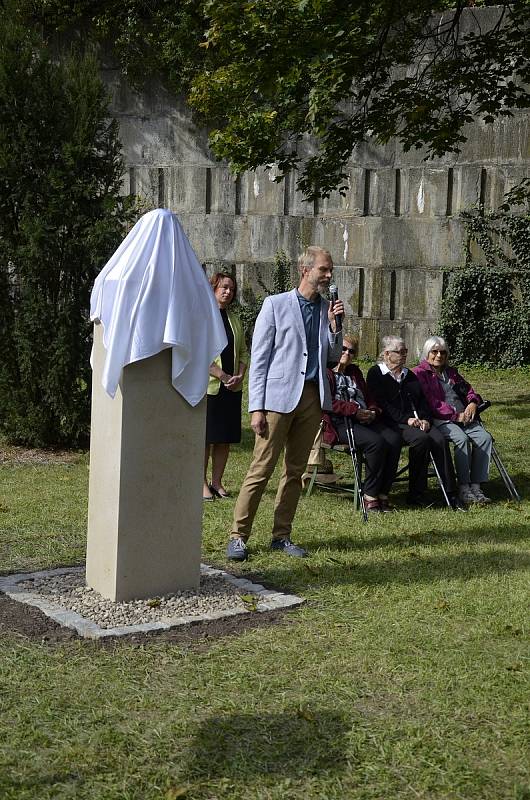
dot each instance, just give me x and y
(312, 481)
(510, 486)
(356, 487)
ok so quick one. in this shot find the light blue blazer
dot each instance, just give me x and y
(278, 358)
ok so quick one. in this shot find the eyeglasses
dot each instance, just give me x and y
(349, 350)
(439, 352)
(402, 352)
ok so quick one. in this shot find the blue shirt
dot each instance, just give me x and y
(311, 316)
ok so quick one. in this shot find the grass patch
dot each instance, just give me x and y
(404, 676)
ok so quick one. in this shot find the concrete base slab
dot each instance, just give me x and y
(265, 600)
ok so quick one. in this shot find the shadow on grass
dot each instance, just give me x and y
(499, 491)
(434, 535)
(515, 399)
(495, 488)
(41, 783)
(412, 563)
(414, 568)
(513, 412)
(292, 744)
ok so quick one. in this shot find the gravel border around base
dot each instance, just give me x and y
(252, 598)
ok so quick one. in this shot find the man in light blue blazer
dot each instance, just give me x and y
(294, 338)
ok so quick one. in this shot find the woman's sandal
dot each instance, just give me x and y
(217, 493)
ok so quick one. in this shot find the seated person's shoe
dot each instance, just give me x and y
(480, 497)
(236, 549)
(372, 505)
(288, 548)
(386, 506)
(466, 496)
(456, 503)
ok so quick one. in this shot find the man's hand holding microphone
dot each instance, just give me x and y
(335, 310)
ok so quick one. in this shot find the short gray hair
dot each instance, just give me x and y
(307, 258)
(387, 343)
(434, 341)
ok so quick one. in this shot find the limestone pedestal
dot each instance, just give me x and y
(145, 491)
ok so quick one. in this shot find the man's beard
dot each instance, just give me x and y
(322, 289)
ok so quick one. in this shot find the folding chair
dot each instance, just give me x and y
(503, 472)
(356, 459)
(335, 487)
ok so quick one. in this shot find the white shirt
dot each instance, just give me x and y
(384, 369)
(154, 294)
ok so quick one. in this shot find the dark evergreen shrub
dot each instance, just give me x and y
(486, 316)
(485, 313)
(61, 216)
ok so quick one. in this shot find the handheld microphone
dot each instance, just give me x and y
(334, 296)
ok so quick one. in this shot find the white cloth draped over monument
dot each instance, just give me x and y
(153, 294)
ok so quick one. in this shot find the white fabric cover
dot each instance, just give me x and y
(154, 294)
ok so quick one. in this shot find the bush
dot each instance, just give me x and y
(61, 216)
(486, 316)
(251, 303)
(485, 313)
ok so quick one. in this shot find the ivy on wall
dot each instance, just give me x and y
(485, 313)
(251, 303)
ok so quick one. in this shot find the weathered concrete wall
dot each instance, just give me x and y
(391, 235)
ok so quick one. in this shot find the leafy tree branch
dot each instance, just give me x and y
(300, 83)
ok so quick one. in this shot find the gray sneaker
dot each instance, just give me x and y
(467, 496)
(288, 548)
(480, 497)
(237, 549)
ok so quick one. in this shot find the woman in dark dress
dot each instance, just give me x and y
(223, 411)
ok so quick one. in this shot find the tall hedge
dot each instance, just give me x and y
(485, 313)
(61, 216)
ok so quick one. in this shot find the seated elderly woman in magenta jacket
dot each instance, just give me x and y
(454, 403)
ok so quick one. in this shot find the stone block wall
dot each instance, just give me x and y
(391, 235)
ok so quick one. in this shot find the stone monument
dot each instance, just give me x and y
(157, 329)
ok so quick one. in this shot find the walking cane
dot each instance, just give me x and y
(433, 462)
(353, 452)
(510, 486)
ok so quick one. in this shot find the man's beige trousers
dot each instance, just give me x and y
(296, 431)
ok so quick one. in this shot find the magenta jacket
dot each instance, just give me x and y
(434, 392)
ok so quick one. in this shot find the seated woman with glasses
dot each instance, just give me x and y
(453, 404)
(379, 445)
(397, 391)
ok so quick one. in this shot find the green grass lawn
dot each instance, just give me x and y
(404, 675)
